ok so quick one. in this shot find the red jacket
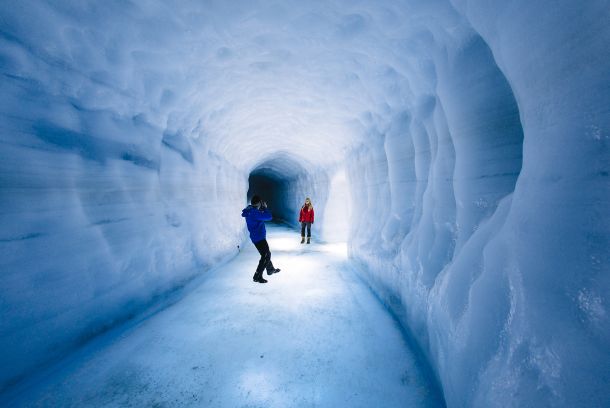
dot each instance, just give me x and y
(306, 214)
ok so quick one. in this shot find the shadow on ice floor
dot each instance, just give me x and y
(314, 336)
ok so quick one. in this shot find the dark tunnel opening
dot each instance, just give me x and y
(272, 189)
(280, 182)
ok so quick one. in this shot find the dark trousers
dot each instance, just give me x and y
(265, 262)
(308, 225)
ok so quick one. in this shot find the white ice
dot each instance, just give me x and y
(315, 335)
(460, 147)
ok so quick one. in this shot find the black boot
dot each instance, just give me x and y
(302, 240)
(308, 240)
(258, 277)
(271, 272)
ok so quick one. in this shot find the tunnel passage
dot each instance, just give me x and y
(270, 188)
(280, 181)
(472, 138)
(284, 181)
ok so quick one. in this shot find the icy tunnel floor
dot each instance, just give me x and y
(313, 336)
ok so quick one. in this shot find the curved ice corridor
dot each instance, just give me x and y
(457, 153)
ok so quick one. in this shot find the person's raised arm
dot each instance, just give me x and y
(262, 215)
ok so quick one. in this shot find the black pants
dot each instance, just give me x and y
(308, 225)
(265, 262)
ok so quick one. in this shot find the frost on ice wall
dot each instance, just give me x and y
(468, 140)
(497, 260)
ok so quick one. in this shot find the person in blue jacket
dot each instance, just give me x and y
(256, 214)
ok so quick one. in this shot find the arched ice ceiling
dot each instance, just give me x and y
(242, 78)
(291, 77)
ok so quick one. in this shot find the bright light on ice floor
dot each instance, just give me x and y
(313, 336)
(289, 243)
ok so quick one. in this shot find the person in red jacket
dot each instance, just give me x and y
(306, 219)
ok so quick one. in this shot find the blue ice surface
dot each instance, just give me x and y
(467, 139)
(314, 335)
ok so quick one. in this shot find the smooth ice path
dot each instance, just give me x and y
(313, 336)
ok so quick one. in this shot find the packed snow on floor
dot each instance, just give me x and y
(314, 335)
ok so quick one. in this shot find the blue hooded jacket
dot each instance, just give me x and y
(255, 220)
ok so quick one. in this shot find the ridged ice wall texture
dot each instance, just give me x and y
(470, 136)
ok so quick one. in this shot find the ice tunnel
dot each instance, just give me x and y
(283, 182)
(460, 147)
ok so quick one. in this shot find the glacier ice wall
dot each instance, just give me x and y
(498, 259)
(467, 140)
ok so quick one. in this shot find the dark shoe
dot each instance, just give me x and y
(259, 278)
(308, 240)
(302, 240)
(273, 271)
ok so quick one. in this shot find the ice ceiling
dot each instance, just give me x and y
(467, 138)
